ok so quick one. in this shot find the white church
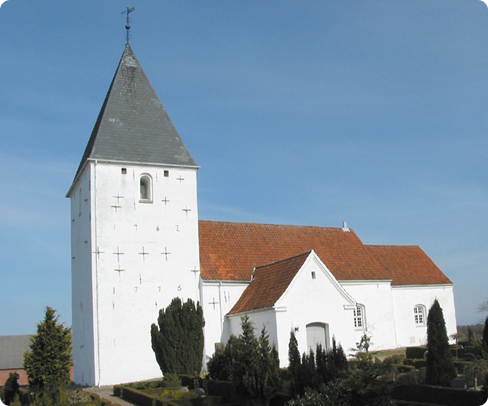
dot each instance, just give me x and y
(137, 243)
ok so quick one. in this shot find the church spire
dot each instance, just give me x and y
(132, 125)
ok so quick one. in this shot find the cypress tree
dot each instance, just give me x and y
(294, 363)
(177, 339)
(440, 369)
(48, 360)
(262, 377)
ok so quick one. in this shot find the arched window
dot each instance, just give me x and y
(359, 317)
(419, 315)
(318, 333)
(145, 189)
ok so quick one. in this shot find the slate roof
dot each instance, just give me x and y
(269, 283)
(12, 350)
(133, 125)
(230, 251)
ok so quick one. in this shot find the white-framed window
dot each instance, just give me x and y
(145, 189)
(419, 315)
(359, 319)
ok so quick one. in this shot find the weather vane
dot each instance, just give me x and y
(127, 25)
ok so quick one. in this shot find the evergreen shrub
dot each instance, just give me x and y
(177, 338)
(420, 363)
(171, 394)
(404, 368)
(225, 389)
(440, 369)
(438, 395)
(395, 359)
(407, 379)
(190, 381)
(415, 352)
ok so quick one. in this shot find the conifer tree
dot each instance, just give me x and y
(269, 380)
(294, 363)
(11, 388)
(253, 364)
(244, 352)
(48, 360)
(440, 369)
(177, 340)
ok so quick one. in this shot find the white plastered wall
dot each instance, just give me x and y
(144, 253)
(82, 282)
(379, 317)
(405, 298)
(217, 299)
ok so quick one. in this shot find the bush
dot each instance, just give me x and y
(172, 381)
(191, 382)
(225, 389)
(177, 339)
(415, 352)
(438, 395)
(11, 388)
(402, 369)
(171, 394)
(478, 368)
(407, 379)
(395, 359)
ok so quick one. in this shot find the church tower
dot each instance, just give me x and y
(134, 231)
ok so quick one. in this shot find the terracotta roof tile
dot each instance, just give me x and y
(269, 283)
(408, 265)
(230, 251)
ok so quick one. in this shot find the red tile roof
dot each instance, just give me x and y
(408, 265)
(230, 251)
(269, 283)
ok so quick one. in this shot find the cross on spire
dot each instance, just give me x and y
(127, 25)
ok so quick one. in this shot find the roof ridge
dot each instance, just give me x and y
(283, 260)
(269, 224)
(392, 245)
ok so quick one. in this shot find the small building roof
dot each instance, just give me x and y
(230, 251)
(12, 350)
(133, 125)
(269, 283)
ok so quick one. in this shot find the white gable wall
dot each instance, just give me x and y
(319, 300)
(306, 300)
(405, 298)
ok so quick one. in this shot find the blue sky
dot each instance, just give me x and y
(298, 112)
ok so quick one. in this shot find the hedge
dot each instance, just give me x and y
(415, 352)
(438, 395)
(138, 397)
(143, 399)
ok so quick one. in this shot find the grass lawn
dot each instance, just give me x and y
(388, 353)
